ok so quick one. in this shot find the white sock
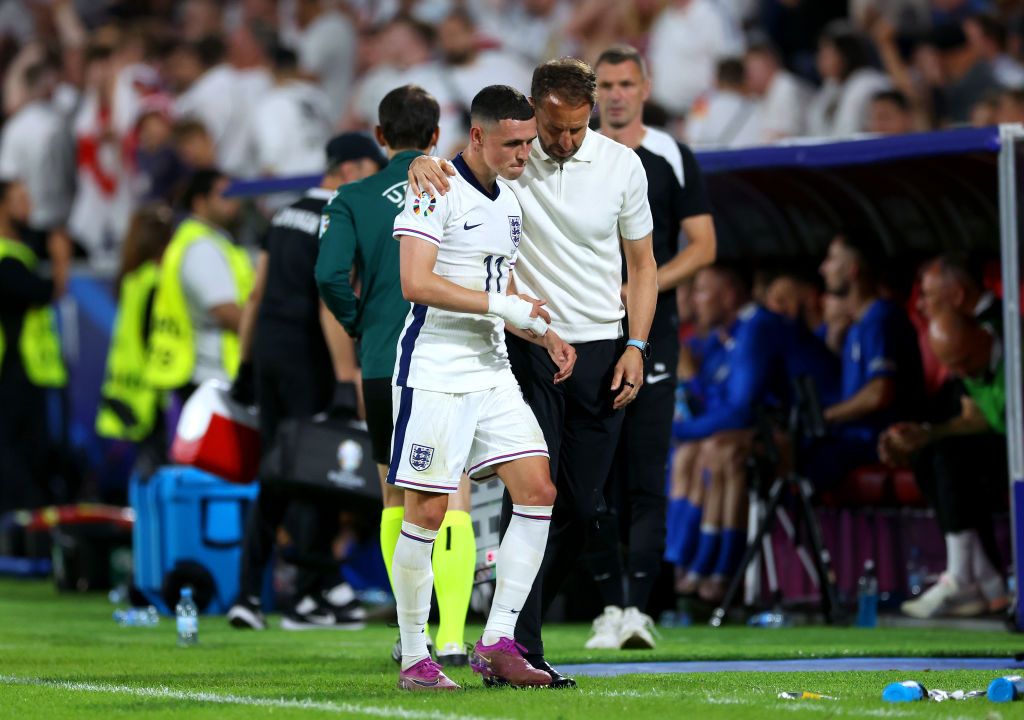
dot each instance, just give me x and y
(519, 558)
(958, 556)
(982, 569)
(413, 580)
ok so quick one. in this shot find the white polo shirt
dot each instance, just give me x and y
(573, 216)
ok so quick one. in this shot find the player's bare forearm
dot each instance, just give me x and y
(340, 347)
(877, 395)
(703, 247)
(421, 285)
(642, 291)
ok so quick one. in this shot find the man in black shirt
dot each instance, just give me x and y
(300, 359)
(636, 487)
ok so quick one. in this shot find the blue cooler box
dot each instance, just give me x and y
(188, 529)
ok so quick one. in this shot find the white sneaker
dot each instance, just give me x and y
(635, 630)
(947, 598)
(606, 630)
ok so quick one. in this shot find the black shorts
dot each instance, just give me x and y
(379, 418)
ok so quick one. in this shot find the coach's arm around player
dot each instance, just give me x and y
(523, 315)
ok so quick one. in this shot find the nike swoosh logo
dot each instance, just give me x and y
(514, 612)
(425, 683)
(467, 226)
(652, 379)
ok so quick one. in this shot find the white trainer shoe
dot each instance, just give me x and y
(947, 598)
(606, 630)
(635, 631)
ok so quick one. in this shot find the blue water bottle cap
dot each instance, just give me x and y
(1002, 690)
(186, 591)
(908, 691)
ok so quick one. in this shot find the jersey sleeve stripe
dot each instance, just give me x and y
(401, 424)
(417, 233)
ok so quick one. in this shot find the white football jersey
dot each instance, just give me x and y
(477, 235)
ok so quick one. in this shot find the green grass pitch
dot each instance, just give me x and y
(62, 656)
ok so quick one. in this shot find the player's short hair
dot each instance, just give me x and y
(408, 117)
(867, 248)
(198, 185)
(569, 79)
(893, 97)
(500, 102)
(620, 53)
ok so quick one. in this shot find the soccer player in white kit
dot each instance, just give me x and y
(457, 405)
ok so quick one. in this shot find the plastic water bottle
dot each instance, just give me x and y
(118, 594)
(137, 617)
(187, 618)
(867, 597)
(1006, 689)
(769, 620)
(915, 572)
(909, 691)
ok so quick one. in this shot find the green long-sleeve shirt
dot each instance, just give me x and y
(356, 231)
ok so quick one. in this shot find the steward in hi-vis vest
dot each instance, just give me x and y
(128, 404)
(203, 283)
(37, 342)
(30, 355)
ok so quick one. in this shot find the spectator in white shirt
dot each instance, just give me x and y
(36, 148)
(212, 91)
(465, 70)
(326, 48)
(532, 29)
(782, 97)
(840, 107)
(725, 117)
(686, 42)
(404, 50)
(292, 123)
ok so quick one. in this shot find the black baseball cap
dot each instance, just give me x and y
(354, 146)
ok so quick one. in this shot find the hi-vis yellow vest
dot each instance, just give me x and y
(172, 351)
(39, 343)
(128, 405)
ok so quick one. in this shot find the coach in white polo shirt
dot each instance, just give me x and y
(583, 197)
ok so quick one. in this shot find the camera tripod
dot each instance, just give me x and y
(766, 508)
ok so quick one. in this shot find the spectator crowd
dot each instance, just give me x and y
(108, 105)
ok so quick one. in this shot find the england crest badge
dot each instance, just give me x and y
(420, 457)
(515, 229)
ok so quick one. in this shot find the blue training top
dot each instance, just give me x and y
(882, 343)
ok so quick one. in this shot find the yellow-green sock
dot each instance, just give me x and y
(454, 562)
(390, 529)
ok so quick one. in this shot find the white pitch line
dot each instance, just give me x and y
(208, 697)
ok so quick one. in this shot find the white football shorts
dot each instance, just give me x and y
(438, 436)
